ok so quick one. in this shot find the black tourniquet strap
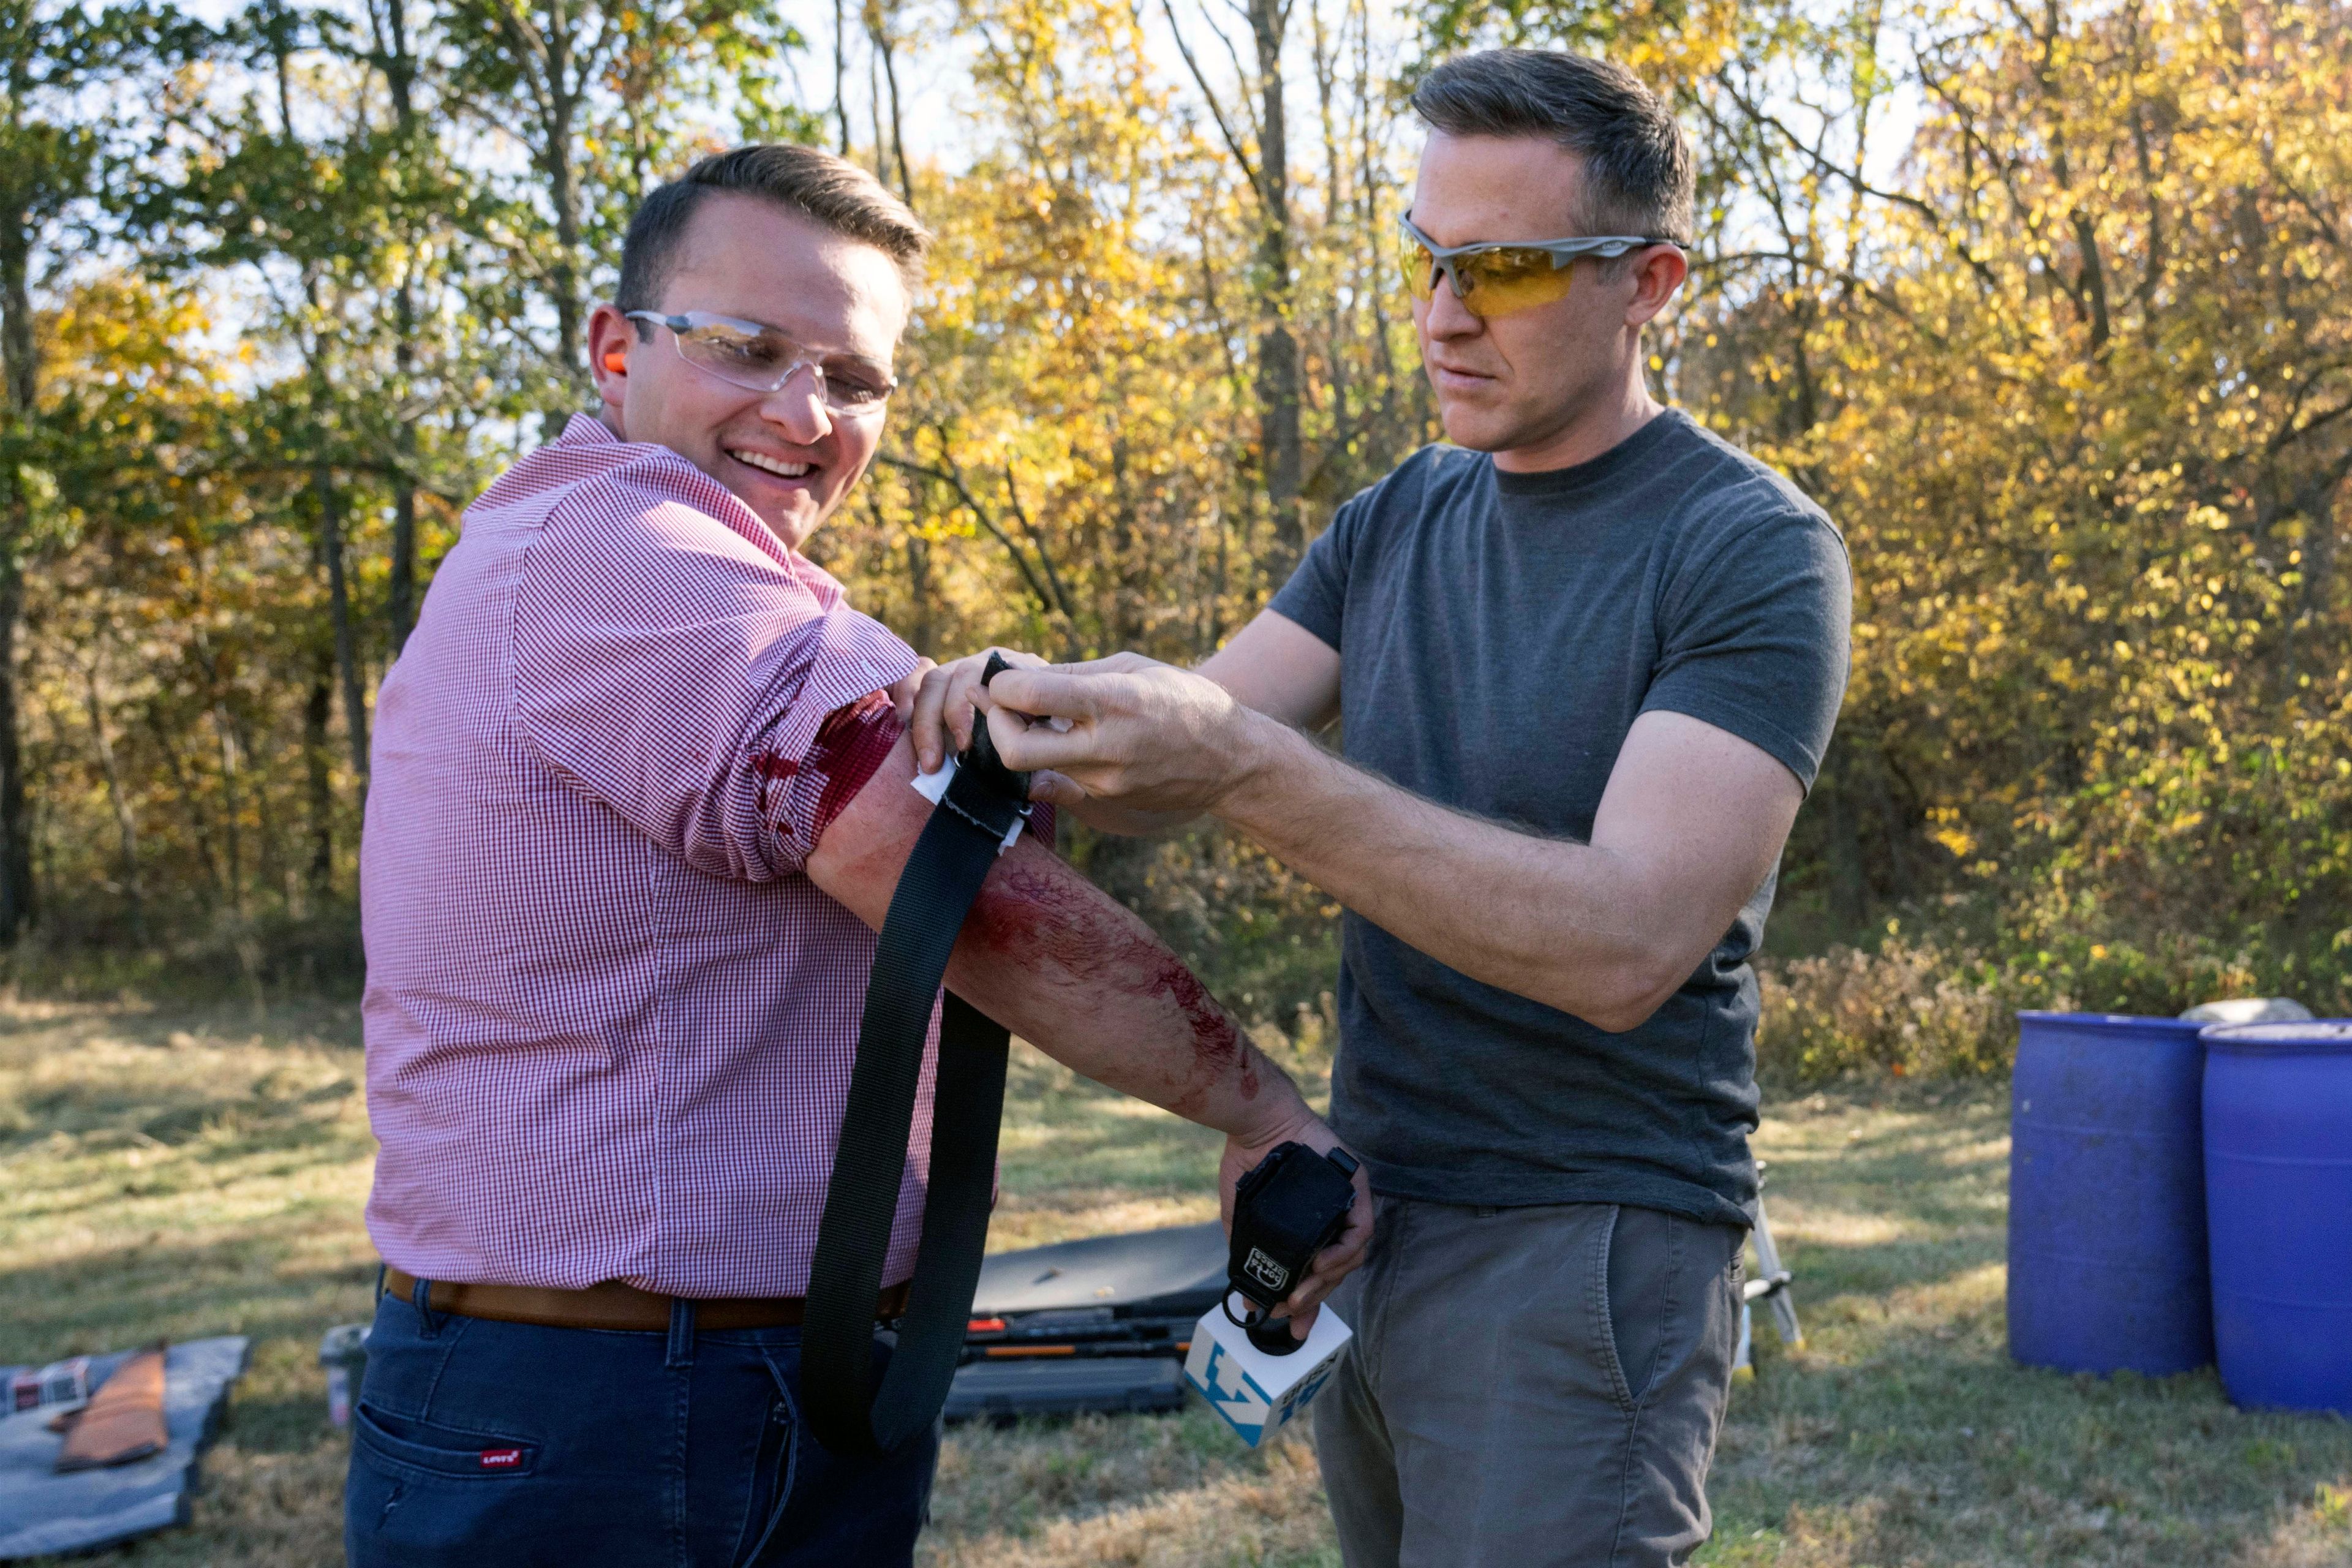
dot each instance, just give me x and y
(942, 877)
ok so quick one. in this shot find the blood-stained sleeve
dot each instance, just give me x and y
(682, 671)
(803, 796)
(850, 745)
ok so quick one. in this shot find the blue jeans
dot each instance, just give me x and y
(475, 1442)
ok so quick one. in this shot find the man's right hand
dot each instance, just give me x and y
(946, 701)
(1272, 665)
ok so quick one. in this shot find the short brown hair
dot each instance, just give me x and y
(1638, 167)
(833, 192)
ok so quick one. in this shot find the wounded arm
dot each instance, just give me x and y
(1059, 963)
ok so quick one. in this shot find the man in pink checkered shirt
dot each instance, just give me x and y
(640, 800)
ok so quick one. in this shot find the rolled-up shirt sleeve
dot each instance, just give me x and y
(682, 673)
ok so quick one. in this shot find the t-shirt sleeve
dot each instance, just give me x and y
(682, 676)
(1756, 643)
(1317, 594)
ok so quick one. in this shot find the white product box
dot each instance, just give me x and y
(1258, 1394)
(64, 1384)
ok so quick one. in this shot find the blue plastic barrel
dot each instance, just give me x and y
(2106, 1195)
(2278, 1175)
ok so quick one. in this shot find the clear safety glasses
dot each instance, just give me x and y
(759, 359)
(1495, 280)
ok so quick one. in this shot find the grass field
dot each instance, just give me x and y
(199, 1172)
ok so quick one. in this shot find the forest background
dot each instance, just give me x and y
(2049, 305)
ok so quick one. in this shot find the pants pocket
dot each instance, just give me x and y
(422, 1494)
(427, 1447)
(770, 1489)
(1639, 1295)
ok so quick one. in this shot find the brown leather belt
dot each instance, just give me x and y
(615, 1305)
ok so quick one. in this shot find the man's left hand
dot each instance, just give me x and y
(1145, 734)
(1335, 1262)
(908, 689)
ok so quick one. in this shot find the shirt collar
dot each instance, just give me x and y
(584, 430)
(587, 430)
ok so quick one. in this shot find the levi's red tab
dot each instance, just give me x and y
(501, 1458)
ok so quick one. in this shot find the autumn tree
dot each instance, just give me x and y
(2045, 304)
(595, 97)
(2092, 446)
(51, 56)
(1256, 132)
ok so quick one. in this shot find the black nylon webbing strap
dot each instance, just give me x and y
(942, 877)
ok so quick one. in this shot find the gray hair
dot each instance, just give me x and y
(1637, 166)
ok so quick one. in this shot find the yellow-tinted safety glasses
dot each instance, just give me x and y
(1494, 279)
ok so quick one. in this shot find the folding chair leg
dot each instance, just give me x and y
(1769, 1267)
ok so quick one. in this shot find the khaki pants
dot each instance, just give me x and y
(1528, 1386)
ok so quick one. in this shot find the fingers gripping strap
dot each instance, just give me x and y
(848, 1414)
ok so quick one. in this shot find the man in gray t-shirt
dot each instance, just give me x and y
(1499, 634)
(1587, 659)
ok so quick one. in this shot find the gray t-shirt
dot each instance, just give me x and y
(1499, 634)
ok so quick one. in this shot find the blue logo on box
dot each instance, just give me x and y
(1230, 1392)
(1306, 1391)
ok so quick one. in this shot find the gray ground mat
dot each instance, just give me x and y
(42, 1512)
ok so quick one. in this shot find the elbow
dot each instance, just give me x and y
(1623, 996)
(1617, 1018)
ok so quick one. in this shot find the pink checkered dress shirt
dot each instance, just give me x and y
(609, 1022)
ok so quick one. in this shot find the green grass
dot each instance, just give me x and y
(199, 1171)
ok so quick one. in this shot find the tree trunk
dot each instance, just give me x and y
(241, 933)
(840, 73)
(559, 107)
(126, 825)
(1848, 857)
(400, 606)
(315, 709)
(1377, 248)
(271, 869)
(231, 808)
(190, 799)
(16, 312)
(1280, 453)
(339, 609)
(17, 901)
(919, 625)
(877, 28)
(1335, 203)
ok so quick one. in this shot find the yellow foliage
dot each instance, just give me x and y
(2089, 643)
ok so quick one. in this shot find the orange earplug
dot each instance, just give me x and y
(616, 361)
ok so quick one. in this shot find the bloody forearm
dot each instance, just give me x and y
(1059, 963)
(1054, 958)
